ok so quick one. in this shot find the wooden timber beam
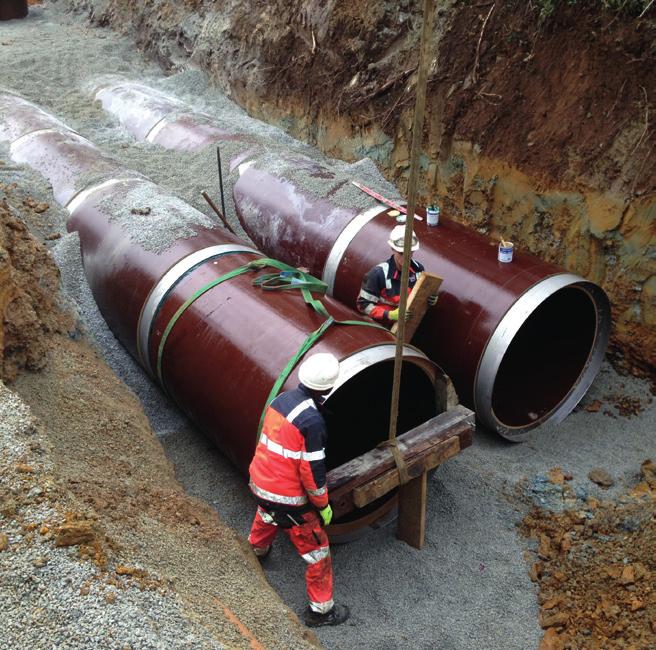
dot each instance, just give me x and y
(427, 285)
(374, 474)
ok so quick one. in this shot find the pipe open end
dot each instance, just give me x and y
(357, 414)
(543, 356)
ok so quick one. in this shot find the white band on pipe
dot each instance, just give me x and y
(166, 283)
(342, 243)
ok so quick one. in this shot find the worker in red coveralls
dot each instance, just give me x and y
(288, 479)
(380, 293)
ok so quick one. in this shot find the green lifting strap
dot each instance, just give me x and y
(287, 278)
(291, 278)
(311, 339)
(254, 265)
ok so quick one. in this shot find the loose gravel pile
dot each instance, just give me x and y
(595, 562)
(52, 596)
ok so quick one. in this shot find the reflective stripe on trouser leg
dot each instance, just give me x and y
(312, 544)
(262, 533)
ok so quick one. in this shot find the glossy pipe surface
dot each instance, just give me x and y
(11, 9)
(146, 252)
(160, 118)
(522, 341)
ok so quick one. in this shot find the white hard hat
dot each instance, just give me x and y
(396, 239)
(319, 372)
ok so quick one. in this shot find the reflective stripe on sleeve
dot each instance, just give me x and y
(385, 267)
(278, 498)
(313, 455)
(277, 448)
(318, 492)
(365, 295)
(317, 555)
(295, 412)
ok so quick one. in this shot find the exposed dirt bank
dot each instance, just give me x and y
(595, 565)
(29, 280)
(542, 132)
(110, 493)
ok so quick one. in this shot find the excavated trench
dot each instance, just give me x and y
(530, 135)
(473, 562)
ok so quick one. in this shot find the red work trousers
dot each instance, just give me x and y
(312, 544)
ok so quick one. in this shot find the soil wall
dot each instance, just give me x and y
(29, 284)
(540, 130)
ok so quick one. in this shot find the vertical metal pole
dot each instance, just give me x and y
(218, 160)
(417, 132)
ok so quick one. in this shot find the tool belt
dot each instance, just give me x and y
(282, 517)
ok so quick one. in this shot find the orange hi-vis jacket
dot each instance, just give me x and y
(288, 470)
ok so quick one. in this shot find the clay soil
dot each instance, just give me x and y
(553, 96)
(595, 565)
(524, 89)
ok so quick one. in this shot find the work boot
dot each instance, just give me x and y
(262, 553)
(336, 616)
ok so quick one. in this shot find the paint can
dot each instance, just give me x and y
(432, 215)
(505, 251)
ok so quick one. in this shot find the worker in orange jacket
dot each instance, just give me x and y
(288, 479)
(380, 293)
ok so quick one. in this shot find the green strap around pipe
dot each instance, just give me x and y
(288, 277)
(293, 278)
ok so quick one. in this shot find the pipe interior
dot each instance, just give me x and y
(357, 414)
(546, 358)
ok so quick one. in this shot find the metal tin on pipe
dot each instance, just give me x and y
(505, 252)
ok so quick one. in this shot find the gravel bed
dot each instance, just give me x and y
(52, 598)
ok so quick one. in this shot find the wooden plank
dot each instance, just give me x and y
(427, 285)
(341, 498)
(425, 435)
(381, 485)
(411, 524)
(342, 481)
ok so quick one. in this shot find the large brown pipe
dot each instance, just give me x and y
(159, 118)
(146, 252)
(10, 9)
(522, 341)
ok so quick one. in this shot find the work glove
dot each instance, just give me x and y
(326, 515)
(432, 300)
(393, 314)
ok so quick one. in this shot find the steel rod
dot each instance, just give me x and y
(214, 207)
